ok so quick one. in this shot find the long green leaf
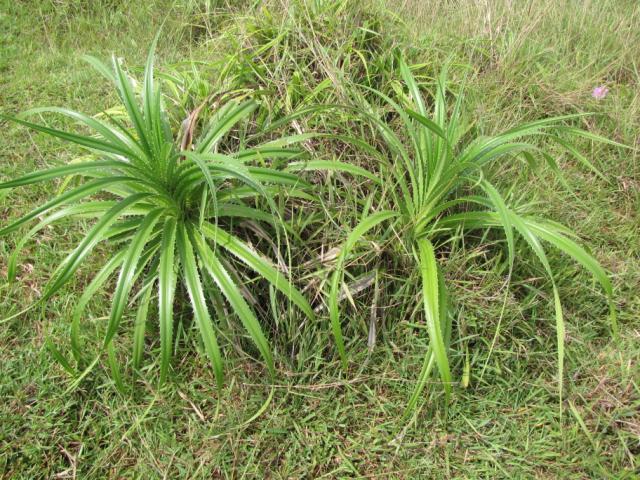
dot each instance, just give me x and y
(70, 264)
(548, 232)
(127, 271)
(56, 172)
(198, 303)
(166, 289)
(431, 300)
(222, 122)
(140, 326)
(116, 375)
(259, 264)
(429, 124)
(88, 293)
(333, 165)
(133, 110)
(108, 132)
(503, 212)
(71, 196)
(59, 357)
(86, 209)
(231, 292)
(533, 241)
(82, 140)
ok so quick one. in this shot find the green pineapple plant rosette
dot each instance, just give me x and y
(167, 208)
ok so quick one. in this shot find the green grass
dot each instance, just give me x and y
(505, 423)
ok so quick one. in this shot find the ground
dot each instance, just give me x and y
(530, 60)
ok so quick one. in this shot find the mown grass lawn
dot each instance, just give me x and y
(521, 61)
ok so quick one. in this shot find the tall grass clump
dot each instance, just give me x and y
(168, 206)
(439, 187)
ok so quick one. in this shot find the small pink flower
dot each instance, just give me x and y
(600, 92)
